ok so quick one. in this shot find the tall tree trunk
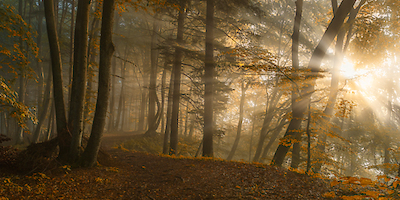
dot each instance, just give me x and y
(63, 134)
(340, 49)
(177, 80)
(163, 82)
(78, 90)
(71, 50)
(295, 63)
(314, 66)
(208, 130)
(168, 115)
(89, 156)
(63, 13)
(22, 86)
(186, 118)
(45, 107)
(274, 135)
(112, 98)
(269, 110)
(121, 101)
(39, 65)
(151, 116)
(239, 128)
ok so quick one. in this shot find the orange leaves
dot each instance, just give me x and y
(329, 195)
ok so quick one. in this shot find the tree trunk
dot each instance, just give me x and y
(274, 135)
(45, 107)
(121, 101)
(340, 49)
(177, 80)
(78, 90)
(71, 53)
(295, 62)
(186, 118)
(22, 86)
(239, 128)
(314, 65)
(62, 17)
(63, 134)
(270, 108)
(208, 130)
(168, 115)
(89, 156)
(163, 82)
(151, 117)
(113, 83)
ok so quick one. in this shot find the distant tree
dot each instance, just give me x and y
(244, 87)
(208, 130)
(177, 79)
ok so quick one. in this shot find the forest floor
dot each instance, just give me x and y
(125, 174)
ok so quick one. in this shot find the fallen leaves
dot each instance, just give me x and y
(135, 175)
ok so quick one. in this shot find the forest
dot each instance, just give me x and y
(306, 88)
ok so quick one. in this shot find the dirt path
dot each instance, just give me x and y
(110, 140)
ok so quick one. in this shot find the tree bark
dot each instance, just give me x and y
(151, 116)
(239, 128)
(208, 130)
(63, 134)
(270, 108)
(45, 107)
(168, 115)
(177, 80)
(314, 66)
(340, 49)
(295, 62)
(111, 120)
(71, 53)
(78, 90)
(89, 156)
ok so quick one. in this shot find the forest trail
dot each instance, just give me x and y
(137, 175)
(110, 140)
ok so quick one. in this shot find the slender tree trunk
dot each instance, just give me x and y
(22, 86)
(208, 130)
(121, 99)
(308, 131)
(314, 66)
(50, 120)
(186, 118)
(63, 134)
(113, 83)
(45, 107)
(39, 65)
(71, 55)
(191, 128)
(340, 49)
(107, 49)
(78, 90)
(163, 82)
(270, 109)
(295, 62)
(168, 115)
(177, 80)
(151, 117)
(274, 135)
(239, 128)
(64, 11)
(252, 129)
